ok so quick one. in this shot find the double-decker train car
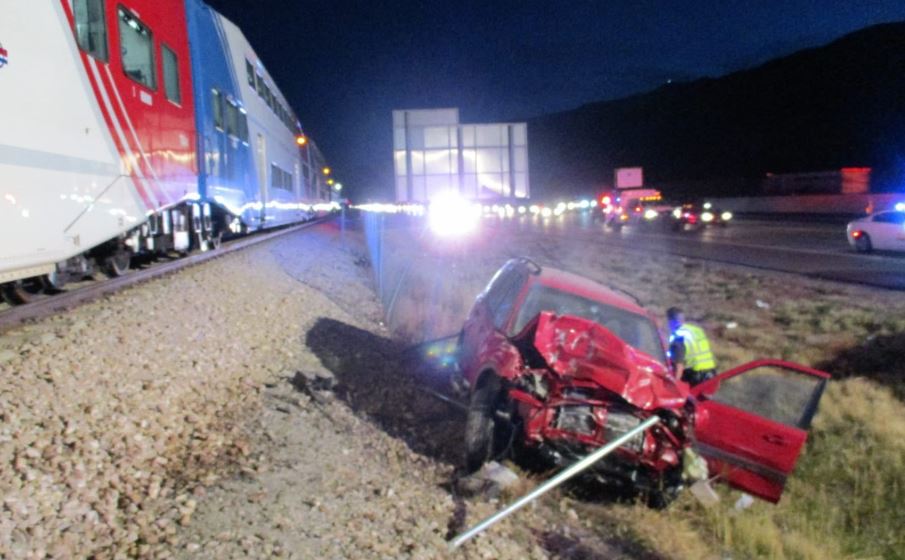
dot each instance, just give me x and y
(134, 127)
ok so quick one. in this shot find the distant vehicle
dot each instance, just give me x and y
(693, 216)
(883, 230)
(629, 207)
(557, 365)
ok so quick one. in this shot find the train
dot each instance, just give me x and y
(137, 127)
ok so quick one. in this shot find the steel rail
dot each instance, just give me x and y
(565, 475)
(54, 304)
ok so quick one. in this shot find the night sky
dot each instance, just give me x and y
(346, 65)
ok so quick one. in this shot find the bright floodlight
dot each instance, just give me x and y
(451, 215)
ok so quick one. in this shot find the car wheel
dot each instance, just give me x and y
(863, 244)
(487, 433)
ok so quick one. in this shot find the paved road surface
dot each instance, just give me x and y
(816, 250)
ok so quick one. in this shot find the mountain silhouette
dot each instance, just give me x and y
(839, 105)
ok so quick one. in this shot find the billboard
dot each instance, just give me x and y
(434, 154)
(629, 177)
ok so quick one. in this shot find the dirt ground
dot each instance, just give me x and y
(843, 497)
(253, 406)
(258, 406)
(365, 468)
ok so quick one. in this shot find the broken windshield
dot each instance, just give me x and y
(635, 330)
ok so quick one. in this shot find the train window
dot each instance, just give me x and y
(280, 179)
(250, 71)
(137, 46)
(218, 109)
(243, 125)
(90, 27)
(232, 119)
(171, 74)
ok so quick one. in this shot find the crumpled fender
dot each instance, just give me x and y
(578, 348)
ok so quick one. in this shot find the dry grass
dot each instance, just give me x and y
(847, 494)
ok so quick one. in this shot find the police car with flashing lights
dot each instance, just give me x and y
(883, 231)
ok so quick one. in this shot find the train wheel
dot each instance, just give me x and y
(21, 291)
(117, 264)
(53, 283)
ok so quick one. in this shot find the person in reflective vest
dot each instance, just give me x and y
(689, 349)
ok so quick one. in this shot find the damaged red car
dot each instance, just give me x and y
(557, 365)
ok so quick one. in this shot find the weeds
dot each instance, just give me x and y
(846, 496)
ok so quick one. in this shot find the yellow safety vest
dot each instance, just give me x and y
(698, 356)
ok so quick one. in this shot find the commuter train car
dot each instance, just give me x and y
(133, 127)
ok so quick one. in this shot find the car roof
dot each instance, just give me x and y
(870, 217)
(587, 288)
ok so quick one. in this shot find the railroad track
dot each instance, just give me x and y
(58, 303)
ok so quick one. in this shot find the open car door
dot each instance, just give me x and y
(751, 423)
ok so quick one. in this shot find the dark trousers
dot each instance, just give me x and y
(693, 377)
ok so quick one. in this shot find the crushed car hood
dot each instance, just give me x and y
(577, 348)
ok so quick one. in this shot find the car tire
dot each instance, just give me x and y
(863, 244)
(486, 436)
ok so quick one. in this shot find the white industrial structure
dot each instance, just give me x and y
(435, 155)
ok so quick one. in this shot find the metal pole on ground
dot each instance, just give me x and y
(553, 482)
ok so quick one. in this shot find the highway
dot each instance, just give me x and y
(816, 250)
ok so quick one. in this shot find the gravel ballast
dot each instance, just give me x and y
(253, 406)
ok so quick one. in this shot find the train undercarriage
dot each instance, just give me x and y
(177, 231)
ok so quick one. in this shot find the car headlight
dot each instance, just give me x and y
(707, 217)
(650, 214)
(677, 213)
(726, 216)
